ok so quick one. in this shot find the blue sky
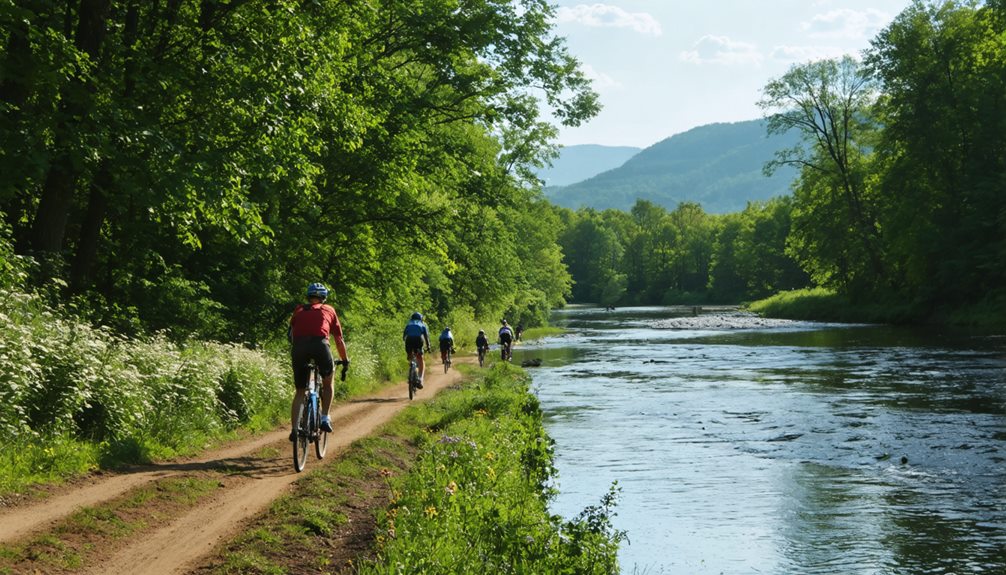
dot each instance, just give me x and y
(663, 67)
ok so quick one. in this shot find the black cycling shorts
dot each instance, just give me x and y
(304, 350)
(414, 343)
(445, 345)
(506, 338)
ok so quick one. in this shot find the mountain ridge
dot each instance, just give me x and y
(719, 166)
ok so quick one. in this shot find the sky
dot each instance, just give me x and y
(662, 67)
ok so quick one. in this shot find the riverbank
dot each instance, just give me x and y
(819, 304)
(459, 484)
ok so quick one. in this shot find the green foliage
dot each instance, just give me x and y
(476, 499)
(652, 256)
(191, 167)
(943, 150)
(899, 198)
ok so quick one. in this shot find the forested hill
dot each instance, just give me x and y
(577, 163)
(718, 166)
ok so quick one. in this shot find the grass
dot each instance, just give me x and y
(821, 304)
(541, 332)
(825, 305)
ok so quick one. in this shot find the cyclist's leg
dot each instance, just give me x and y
(298, 400)
(322, 354)
(421, 362)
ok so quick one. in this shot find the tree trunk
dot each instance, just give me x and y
(49, 228)
(90, 230)
(102, 187)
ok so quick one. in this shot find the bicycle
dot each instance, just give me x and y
(506, 351)
(447, 360)
(413, 374)
(482, 356)
(309, 418)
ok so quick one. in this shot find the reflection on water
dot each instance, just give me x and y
(799, 448)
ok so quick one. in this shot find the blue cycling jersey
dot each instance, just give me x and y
(446, 334)
(415, 328)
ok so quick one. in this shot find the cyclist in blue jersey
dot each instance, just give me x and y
(506, 340)
(415, 335)
(446, 344)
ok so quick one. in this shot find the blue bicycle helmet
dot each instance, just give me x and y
(417, 316)
(317, 290)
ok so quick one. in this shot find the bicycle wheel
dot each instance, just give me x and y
(482, 357)
(413, 378)
(300, 446)
(321, 439)
(447, 363)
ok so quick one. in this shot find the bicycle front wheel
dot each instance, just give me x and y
(413, 378)
(320, 440)
(300, 445)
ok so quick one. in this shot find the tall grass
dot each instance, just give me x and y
(476, 499)
(822, 304)
(74, 397)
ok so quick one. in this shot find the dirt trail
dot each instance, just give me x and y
(178, 545)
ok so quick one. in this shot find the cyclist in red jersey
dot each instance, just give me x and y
(311, 326)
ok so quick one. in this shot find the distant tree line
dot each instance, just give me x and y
(192, 164)
(653, 256)
(900, 197)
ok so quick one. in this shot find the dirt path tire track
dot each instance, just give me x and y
(177, 546)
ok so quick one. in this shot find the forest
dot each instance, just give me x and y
(191, 165)
(188, 166)
(900, 198)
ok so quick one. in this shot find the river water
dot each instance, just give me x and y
(745, 446)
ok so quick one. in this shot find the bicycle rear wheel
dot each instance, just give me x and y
(300, 445)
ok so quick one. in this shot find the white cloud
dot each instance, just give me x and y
(608, 16)
(712, 49)
(600, 80)
(805, 53)
(846, 23)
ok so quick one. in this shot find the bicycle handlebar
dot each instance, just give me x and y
(345, 365)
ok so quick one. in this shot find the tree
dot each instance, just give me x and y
(943, 67)
(836, 230)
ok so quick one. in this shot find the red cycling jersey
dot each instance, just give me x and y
(317, 319)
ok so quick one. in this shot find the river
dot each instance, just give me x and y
(746, 446)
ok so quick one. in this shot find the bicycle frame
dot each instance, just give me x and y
(309, 419)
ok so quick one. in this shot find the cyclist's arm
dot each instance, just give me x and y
(340, 346)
